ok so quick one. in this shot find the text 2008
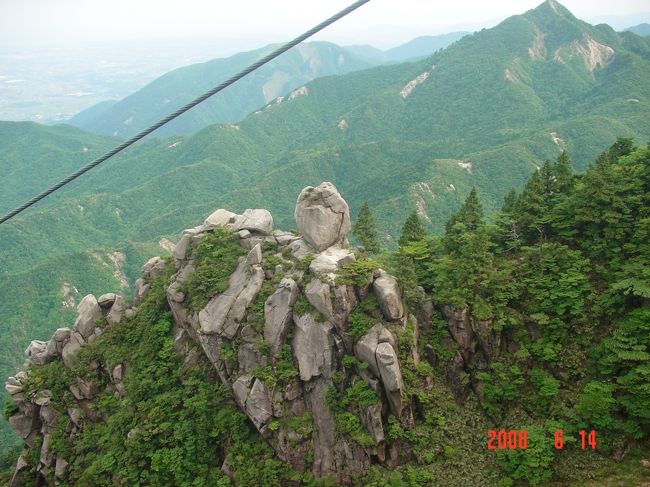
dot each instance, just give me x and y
(518, 439)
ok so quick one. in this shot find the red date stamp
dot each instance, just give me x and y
(518, 439)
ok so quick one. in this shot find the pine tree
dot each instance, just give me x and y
(412, 231)
(364, 229)
(505, 221)
(470, 214)
(509, 202)
(563, 172)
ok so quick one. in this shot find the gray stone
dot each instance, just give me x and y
(61, 334)
(300, 249)
(241, 389)
(366, 348)
(219, 218)
(21, 470)
(224, 312)
(106, 300)
(174, 292)
(117, 311)
(391, 376)
(141, 290)
(42, 398)
(313, 347)
(278, 311)
(318, 295)
(243, 234)
(181, 248)
(118, 372)
(75, 416)
(37, 353)
(153, 267)
(255, 255)
(322, 216)
(371, 420)
(258, 404)
(83, 389)
(284, 238)
(49, 416)
(257, 221)
(13, 389)
(88, 313)
(70, 348)
(388, 295)
(23, 424)
(46, 458)
(330, 260)
(60, 467)
(459, 326)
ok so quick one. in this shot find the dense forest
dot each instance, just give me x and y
(556, 286)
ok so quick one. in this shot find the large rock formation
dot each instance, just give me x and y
(322, 216)
(267, 311)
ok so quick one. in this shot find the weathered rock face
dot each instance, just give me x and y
(278, 311)
(323, 216)
(330, 260)
(273, 303)
(257, 221)
(478, 343)
(224, 313)
(388, 295)
(313, 347)
(88, 312)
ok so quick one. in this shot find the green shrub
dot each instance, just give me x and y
(532, 464)
(357, 273)
(363, 317)
(215, 259)
(9, 408)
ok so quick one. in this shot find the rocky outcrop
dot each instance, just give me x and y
(88, 312)
(272, 304)
(224, 313)
(278, 311)
(323, 216)
(388, 294)
(313, 346)
(478, 345)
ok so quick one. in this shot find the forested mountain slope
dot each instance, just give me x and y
(296, 360)
(402, 137)
(165, 94)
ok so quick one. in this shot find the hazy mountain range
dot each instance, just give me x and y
(484, 112)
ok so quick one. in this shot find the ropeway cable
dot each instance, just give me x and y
(185, 108)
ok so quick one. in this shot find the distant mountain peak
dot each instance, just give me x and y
(554, 7)
(551, 9)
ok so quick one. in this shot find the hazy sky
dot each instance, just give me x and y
(250, 23)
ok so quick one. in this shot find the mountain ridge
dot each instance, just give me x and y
(403, 137)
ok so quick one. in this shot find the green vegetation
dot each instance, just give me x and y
(412, 230)
(562, 272)
(365, 231)
(357, 273)
(169, 428)
(364, 317)
(180, 86)
(215, 259)
(347, 406)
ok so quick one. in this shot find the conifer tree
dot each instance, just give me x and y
(470, 214)
(506, 222)
(364, 229)
(412, 231)
(509, 202)
(563, 173)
